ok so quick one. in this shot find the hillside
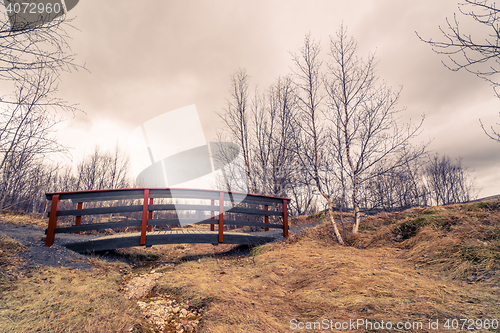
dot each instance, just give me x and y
(423, 266)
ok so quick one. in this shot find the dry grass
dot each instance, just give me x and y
(64, 300)
(423, 264)
(463, 241)
(310, 280)
(20, 218)
(9, 261)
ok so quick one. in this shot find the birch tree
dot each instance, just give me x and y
(364, 113)
(312, 140)
(236, 117)
(448, 180)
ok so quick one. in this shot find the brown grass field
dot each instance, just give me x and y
(419, 267)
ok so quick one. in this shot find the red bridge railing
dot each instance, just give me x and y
(148, 207)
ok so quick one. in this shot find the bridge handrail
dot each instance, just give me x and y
(147, 208)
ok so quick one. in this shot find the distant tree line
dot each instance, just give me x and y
(30, 181)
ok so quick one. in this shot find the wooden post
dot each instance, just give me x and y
(150, 215)
(51, 229)
(212, 214)
(144, 225)
(221, 217)
(78, 219)
(285, 219)
(266, 218)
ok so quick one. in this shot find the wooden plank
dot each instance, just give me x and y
(103, 244)
(137, 193)
(251, 211)
(157, 207)
(245, 223)
(167, 237)
(184, 193)
(100, 210)
(183, 207)
(100, 226)
(251, 199)
(207, 237)
(102, 195)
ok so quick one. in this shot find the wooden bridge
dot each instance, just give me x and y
(237, 203)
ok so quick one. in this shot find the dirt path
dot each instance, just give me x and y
(37, 254)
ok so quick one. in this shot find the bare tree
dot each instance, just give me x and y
(399, 188)
(25, 52)
(236, 118)
(103, 170)
(273, 127)
(364, 114)
(448, 181)
(26, 129)
(479, 55)
(312, 139)
(31, 59)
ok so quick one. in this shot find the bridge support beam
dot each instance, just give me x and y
(78, 220)
(51, 229)
(144, 225)
(285, 219)
(266, 218)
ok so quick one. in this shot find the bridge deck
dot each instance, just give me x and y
(166, 237)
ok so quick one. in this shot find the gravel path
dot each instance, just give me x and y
(37, 254)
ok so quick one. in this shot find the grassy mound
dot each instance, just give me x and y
(461, 240)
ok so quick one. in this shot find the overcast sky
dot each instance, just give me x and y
(146, 58)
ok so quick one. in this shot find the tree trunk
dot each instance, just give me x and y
(355, 205)
(334, 224)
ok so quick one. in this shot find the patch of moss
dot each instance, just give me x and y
(259, 250)
(475, 255)
(409, 229)
(368, 227)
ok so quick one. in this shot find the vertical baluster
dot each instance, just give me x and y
(212, 214)
(221, 217)
(285, 219)
(144, 225)
(78, 220)
(150, 215)
(51, 229)
(266, 217)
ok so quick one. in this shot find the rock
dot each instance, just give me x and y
(184, 312)
(176, 310)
